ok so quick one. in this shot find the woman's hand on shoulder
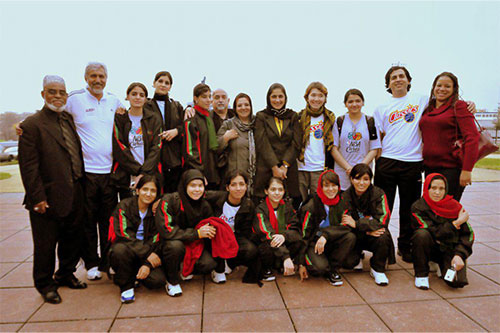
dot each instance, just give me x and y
(230, 135)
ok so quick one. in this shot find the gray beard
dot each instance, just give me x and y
(55, 108)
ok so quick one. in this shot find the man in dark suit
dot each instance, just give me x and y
(51, 164)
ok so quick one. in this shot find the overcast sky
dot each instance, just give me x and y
(246, 46)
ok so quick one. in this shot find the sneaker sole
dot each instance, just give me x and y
(422, 288)
(128, 301)
(269, 279)
(336, 284)
(382, 284)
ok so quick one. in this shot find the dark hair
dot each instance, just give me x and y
(242, 95)
(353, 91)
(270, 91)
(149, 178)
(318, 85)
(454, 96)
(235, 173)
(164, 73)
(361, 169)
(275, 179)
(388, 77)
(200, 89)
(443, 178)
(331, 177)
(137, 84)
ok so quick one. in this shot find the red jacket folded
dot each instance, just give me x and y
(224, 244)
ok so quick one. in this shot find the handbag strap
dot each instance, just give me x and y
(480, 128)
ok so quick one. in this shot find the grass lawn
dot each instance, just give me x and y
(4, 175)
(489, 163)
(9, 163)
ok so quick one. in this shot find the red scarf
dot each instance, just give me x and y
(272, 215)
(321, 194)
(202, 110)
(447, 207)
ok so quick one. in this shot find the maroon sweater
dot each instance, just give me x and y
(438, 135)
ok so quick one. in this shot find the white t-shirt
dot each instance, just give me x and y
(94, 121)
(314, 154)
(135, 139)
(354, 144)
(161, 106)
(326, 222)
(228, 213)
(399, 119)
(140, 230)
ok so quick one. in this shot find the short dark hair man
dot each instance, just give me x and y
(51, 164)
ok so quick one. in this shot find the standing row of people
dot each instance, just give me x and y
(154, 138)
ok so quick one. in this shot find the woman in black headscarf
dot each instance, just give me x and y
(176, 218)
(277, 134)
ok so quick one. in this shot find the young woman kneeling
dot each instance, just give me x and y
(368, 214)
(278, 228)
(135, 252)
(328, 242)
(442, 234)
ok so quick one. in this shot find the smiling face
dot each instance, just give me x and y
(147, 193)
(316, 99)
(361, 184)
(330, 189)
(354, 104)
(277, 99)
(237, 189)
(437, 190)
(203, 100)
(96, 79)
(398, 83)
(136, 97)
(243, 108)
(195, 189)
(220, 101)
(443, 89)
(275, 192)
(55, 96)
(162, 85)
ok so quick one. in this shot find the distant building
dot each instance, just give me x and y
(488, 119)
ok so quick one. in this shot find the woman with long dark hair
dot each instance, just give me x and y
(136, 150)
(135, 252)
(278, 134)
(445, 120)
(237, 141)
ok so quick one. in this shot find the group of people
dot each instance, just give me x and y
(205, 189)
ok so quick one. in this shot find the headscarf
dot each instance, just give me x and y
(282, 113)
(321, 194)
(446, 207)
(305, 122)
(195, 210)
(212, 136)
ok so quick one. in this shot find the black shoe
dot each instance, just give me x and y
(71, 282)
(52, 297)
(268, 275)
(334, 278)
(406, 256)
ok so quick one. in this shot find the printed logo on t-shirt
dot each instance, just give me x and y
(353, 142)
(136, 140)
(317, 129)
(408, 114)
(90, 110)
(229, 220)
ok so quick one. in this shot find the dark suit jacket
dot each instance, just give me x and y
(45, 162)
(272, 149)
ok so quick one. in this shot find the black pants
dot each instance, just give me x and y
(452, 177)
(273, 257)
(173, 255)
(100, 201)
(407, 178)
(247, 253)
(334, 255)
(126, 264)
(171, 178)
(426, 249)
(65, 232)
(379, 246)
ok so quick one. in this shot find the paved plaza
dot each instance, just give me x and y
(283, 305)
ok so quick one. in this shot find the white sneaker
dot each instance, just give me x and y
(434, 267)
(173, 290)
(359, 266)
(186, 278)
(218, 277)
(380, 278)
(227, 269)
(94, 274)
(422, 283)
(127, 296)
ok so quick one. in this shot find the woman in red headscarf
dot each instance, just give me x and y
(328, 242)
(442, 233)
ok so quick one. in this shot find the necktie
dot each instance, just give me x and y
(72, 146)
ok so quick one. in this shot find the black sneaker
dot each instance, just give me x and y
(268, 275)
(334, 278)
